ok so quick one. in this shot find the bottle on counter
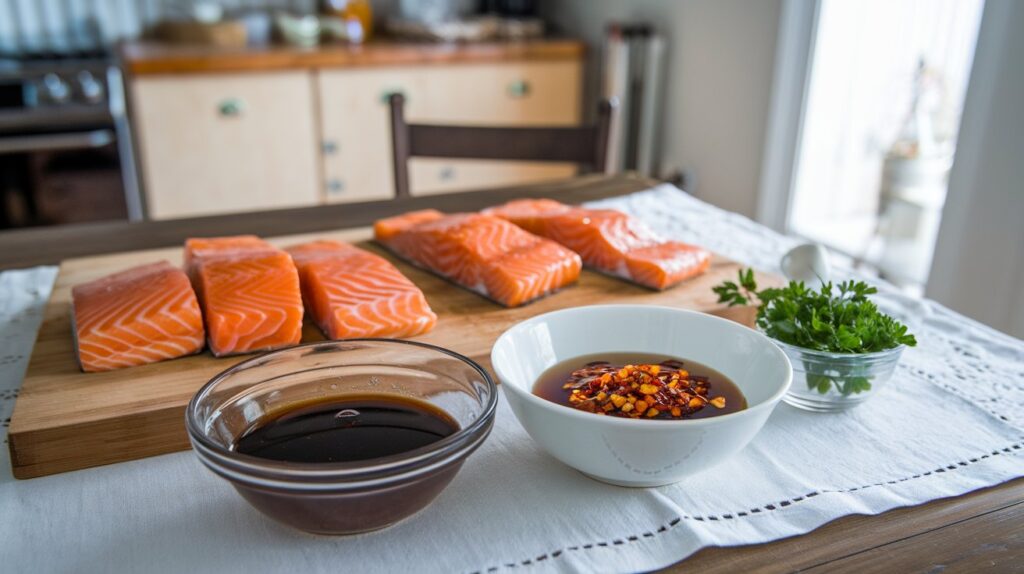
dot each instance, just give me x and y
(913, 190)
(355, 18)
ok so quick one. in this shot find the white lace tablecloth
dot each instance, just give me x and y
(951, 421)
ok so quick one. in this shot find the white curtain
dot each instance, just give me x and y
(979, 259)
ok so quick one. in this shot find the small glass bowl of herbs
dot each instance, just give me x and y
(841, 346)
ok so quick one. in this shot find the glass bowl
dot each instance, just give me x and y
(828, 382)
(342, 497)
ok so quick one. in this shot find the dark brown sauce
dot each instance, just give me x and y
(354, 429)
(549, 385)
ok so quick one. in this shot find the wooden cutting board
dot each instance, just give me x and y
(65, 419)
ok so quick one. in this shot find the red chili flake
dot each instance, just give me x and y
(665, 391)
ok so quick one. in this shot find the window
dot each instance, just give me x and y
(871, 58)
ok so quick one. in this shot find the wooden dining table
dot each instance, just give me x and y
(977, 531)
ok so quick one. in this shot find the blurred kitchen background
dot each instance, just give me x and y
(883, 129)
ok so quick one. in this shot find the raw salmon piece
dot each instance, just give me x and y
(482, 253)
(385, 229)
(251, 301)
(354, 293)
(198, 249)
(609, 241)
(529, 214)
(142, 315)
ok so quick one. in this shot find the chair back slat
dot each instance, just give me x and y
(586, 146)
(575, 145)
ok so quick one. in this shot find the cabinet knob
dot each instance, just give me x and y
(386, 95)
(447, 173)
(231, 107)
(329, 147)
(519, 89)
(335, 186)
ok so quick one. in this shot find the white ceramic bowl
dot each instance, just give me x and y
(631, 452)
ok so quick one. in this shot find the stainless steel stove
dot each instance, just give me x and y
(64, 139)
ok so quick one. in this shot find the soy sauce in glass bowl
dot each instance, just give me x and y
(351, 400)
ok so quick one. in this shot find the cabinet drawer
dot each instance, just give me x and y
(356, 127)
(231, 143)
(432, 176)
(512, 94)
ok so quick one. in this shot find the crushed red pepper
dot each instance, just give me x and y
(665, 390)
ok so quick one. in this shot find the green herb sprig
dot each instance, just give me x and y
(834, 318)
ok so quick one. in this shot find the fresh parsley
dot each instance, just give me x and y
(834, 318)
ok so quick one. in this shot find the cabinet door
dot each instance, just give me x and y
(356, 130)
(514, 94)
(228, 143)
(356, 126)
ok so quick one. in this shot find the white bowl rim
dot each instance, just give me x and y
(528, 396)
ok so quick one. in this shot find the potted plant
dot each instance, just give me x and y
(843, 349)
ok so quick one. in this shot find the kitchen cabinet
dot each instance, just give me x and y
(226, 143)
(537, 94)
(245, 131)
(356, 125)
(355, 130)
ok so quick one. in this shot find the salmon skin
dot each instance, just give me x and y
(484, 254)
(353, 293)
(609, 241)
(248, 291)
(142, 315)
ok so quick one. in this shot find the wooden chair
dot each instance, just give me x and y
(587, 146)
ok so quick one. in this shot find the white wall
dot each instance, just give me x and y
(979, 260)
(718, 81)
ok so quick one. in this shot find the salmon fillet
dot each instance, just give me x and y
(609, 241)
(249, 294)
(199, 248)
(142, 315)
(481, 253)
(354, 293)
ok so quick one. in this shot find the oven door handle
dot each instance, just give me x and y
(56, 142)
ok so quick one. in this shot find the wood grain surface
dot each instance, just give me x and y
(141, 58)
(65, 419)
(982, 531)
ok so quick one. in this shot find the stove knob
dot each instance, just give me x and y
(56, 89)
(90, 88)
